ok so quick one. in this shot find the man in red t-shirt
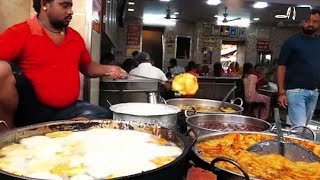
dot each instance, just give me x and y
(39, 71)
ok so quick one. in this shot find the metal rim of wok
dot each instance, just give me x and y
(222, 134)
(66, 125)
(115, 109)
(222, 119)
(205, 102)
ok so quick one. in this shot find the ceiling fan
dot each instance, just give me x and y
(169, 14)
(225, 15)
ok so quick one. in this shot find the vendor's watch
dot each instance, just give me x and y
(282, 94)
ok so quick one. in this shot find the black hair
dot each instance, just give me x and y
(107, 58)
(128, 65)
(134, 53)
(315, 11)
(247, 68)
(173, 62)
(37, 4)
(216, 69)
(191, 65)
(257, 65)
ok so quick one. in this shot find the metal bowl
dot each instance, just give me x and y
(211, 123)
(178, 102)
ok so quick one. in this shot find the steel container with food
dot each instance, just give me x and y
(231, 149)
(13, 150)
(161, 114)
(209, 123)
(210, 107)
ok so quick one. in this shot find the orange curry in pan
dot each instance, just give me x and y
(270, 167)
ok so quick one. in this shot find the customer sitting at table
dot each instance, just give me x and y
(146, 69)
(251, 95)
(261, 77)
(192, 68)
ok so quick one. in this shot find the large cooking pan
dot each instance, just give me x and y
(173, 170)
(178, 102)
(211, 123)
(225, 174)
(163, 115)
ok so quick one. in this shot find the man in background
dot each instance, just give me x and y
(146, 69)
(298, 72)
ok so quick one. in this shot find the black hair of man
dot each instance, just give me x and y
(37, 4)
(134, 53)
(173, 62)
(107, 58)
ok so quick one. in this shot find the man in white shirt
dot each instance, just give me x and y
(146, 69)
(175, 69)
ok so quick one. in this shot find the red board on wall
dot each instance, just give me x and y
(263, 45)
(133, 34)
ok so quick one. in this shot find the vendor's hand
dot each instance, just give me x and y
(282, 101)
(116, 72)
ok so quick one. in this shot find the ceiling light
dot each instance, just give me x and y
(256, 19)
(158, 19)
(281, 16)
(131, 3)
(165, 0)
(130, 10)
(176, 13)
(305, 5)
(260, 5)
(213, 2)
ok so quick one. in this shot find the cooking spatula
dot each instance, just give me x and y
(291, 151)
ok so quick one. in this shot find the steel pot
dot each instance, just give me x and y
(211, 123)
(222, 173)
(173, 170)
(178, 102)
(161, 114)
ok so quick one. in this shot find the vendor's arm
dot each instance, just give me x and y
(92, 69)
(98, 70)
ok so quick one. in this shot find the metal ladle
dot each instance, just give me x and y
(291, 151)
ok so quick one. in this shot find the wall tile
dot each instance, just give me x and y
(13, 12)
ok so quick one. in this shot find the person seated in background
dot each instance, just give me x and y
(234, 70)
(146, 69)
(271, 74)
(134, 54)
(251, 95)
(107, 58)
(218, 70)
(192, 68)
(174, 68)
(198, 69)
(258, 71)
(206, 71)
(128, 65)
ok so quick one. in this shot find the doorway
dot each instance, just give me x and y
(152, 44)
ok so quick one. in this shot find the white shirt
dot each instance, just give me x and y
(177, 70)
(147, 70)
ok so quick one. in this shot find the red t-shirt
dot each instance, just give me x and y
(52, 69)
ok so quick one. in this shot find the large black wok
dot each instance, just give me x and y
(174, 170)
(225, 174)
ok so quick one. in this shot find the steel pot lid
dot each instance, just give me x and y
(144, 109)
